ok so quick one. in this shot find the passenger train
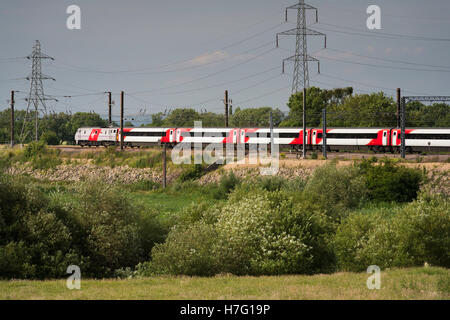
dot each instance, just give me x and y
(337, 139)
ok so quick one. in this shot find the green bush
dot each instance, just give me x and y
(193, 172)
(227, 183)
(261, 233)
(187, 251)
(410, 236)
(93, 226)
(391, 182)
(40, 156)
(336, 190)
(50, 138)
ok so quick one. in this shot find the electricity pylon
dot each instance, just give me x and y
(301, 57)
(36, 98)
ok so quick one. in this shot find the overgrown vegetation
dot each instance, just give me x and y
(339, 219)
(96, 228)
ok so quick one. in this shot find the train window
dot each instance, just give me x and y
(352, 135)
(428, 136)
(384, 134)
(319, 135)
(145, 134)
(288, 135)
(216, 134)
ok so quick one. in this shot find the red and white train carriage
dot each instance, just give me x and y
(375, 139)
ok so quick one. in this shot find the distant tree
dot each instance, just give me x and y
(84, 119)
(58, 124)
(50, 138)
(210, 119)
(182, 117)
(255, 117)
(157, 120)
(316, 100)
(19, 115)
(128, 124)
(364, 110)
(422, 115)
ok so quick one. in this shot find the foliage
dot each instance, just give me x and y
(261, 233)
(192, 172)
(316, 100)
(336, 189)
(390, 182)
(40, 156)
(227, 183)
(364, 110)
(415, 234)
(255, 117)
(96, 228)
(187, 251)
(50, 138)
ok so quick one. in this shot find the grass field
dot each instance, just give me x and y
(413, 283)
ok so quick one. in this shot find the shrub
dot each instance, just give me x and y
(95, 228)
(227, 183)
(193, 172)
(415, 234)
(50, 138)
(40, 156)
(336, 189)
(187, 251)
(15, 261)
(391, 182)
(253, 239)
(352, 239)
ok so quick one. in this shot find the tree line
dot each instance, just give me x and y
(344, 109)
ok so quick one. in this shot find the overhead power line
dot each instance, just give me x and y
(379, 34)
(83, 69)
(220, 84)
(384, 66)
(388, 60)
(207, 76)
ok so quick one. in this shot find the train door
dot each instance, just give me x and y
(171, 135)
(242, 136)
(307, 135)
(234, 136)
(385, 138)
(178, 136)
(394, 138)
(314, 137)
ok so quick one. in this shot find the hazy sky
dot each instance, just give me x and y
(137, 46)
